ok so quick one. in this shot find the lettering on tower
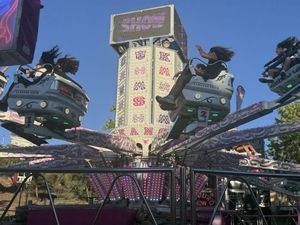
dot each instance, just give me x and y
(164, 56)
(139, 55)
(139, 70)
(140, 85)
(163, 70)
(138, 101)
(164, 86)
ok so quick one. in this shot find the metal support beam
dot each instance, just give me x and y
(183, 200)
(193, 197)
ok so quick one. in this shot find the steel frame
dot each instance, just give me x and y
(124, 171)
(234, 175)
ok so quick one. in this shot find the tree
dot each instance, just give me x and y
(110, 123)
(5, 162)
(287, 147)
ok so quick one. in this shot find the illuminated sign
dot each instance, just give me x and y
(149, 23)
(19, 21)
(8, 15)
(141, 24)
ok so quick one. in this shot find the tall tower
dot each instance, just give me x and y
(152, 45)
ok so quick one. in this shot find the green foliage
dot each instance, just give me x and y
(110, 123)
(5, 162)
(287, 147)
(112, 108)
(68, 186)
(71, 185)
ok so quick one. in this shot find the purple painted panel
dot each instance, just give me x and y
(8, 17)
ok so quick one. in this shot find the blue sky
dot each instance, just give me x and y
(251, 28)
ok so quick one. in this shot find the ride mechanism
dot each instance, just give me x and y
(152, 46)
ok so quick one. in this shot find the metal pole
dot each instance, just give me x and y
(255, 200)
(18, 190)
(89, 170)
(20, 196)
(173, 197)
(13, 198)
(26, 196)
(193, 197)
(252, 194)
(238, 173)
(183, 200)
(217, 206)
(51, 200)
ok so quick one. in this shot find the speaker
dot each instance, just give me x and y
(19, 21)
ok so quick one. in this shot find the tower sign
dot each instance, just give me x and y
(146, 69)
(146, 24)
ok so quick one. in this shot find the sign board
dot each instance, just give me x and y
(19, 20)
(149, 23)
(143, 73)
(141, 24)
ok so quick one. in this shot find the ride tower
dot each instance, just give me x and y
(152, 45)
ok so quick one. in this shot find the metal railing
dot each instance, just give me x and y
(120, 172)
(236, 175)
(123, 171)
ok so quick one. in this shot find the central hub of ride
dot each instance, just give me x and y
(152, 47)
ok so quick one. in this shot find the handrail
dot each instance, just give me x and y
(237, 176)
(109, 191)
(171, 171)
(20, 188)
(223, 193)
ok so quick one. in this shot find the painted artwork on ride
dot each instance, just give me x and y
(206, 198)
(19, 20)
(8, 14)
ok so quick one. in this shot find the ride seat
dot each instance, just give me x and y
(211, 71)
(23, 80)
(27, 82)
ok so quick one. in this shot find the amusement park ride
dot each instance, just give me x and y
(201, 135)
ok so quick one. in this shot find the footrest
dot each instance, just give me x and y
(18, 129)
